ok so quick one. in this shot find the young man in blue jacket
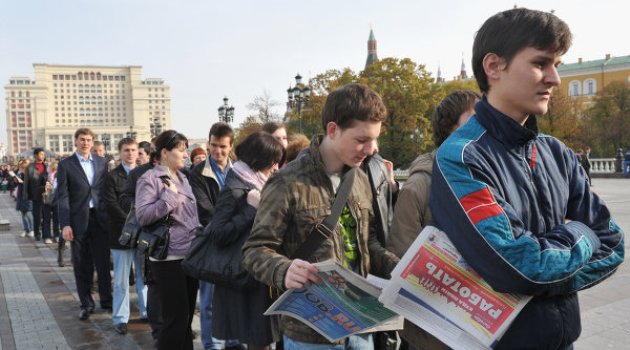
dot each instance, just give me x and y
(516, 203)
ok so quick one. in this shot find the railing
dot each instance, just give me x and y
(603, 165)
(598, 165)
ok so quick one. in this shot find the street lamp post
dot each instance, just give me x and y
(156, 127)
(105, 138)
(298, 97)
(131, 134)
(226, 112)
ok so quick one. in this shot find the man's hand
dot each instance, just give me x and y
(300, 273)
(67, 233)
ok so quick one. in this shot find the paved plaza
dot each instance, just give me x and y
(39, 304)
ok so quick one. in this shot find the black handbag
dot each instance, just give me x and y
(154, 239)
(131, 230)
(222, 266)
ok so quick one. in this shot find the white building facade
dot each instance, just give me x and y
(113, 101)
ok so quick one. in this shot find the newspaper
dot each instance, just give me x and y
(433, 287)
(343, 304)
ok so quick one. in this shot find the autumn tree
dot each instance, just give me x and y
(410, 96)
(561, 120)
(321, 85)
(263, 108)
(610, 119)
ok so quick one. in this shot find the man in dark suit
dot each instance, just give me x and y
(79, 177)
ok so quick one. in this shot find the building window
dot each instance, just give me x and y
(590, 87)
(574, 88)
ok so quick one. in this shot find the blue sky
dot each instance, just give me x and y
(206, 50)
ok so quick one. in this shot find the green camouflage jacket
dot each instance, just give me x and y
(292, 202)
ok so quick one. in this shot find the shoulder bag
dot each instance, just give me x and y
(131, 230)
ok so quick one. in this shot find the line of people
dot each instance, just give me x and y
(516, 203)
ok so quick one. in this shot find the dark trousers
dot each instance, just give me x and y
(49, 213)
(178, 293)
(89, 250)
(37, 217)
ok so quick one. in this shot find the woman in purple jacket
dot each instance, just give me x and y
(154, 200)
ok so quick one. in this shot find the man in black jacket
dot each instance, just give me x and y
(34, 184)
(122, 257)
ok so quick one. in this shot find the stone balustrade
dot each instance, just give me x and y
(598, 166)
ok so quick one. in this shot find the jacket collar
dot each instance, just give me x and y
(504, 128)
(208, 172)
(316, 156)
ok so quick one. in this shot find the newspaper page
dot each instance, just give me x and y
(434, 288)
(343, 304)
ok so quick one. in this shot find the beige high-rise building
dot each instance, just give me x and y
(113, 101)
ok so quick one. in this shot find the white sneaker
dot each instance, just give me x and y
(30, 234)
(23, 234)
(48, 241)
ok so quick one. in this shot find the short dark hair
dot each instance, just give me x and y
(125, 141)
(168, 140)
(446, 114)
(508, 32)
(260, 150)
(271, 127)
(83, 131)
(38, 150)
(220, 130)
(97, 143)
(352, 102)
(146, 146)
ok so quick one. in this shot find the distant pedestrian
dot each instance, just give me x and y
(586, 164)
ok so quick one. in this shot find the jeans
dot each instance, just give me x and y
(626, 168)
(354, 342)
(123, 258)
(206, 290)
(49, 214)
(27, 220)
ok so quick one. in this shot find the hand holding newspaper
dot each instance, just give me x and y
(343, 304)
(433, 287)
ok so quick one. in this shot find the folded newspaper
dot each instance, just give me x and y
(343, 304)
(433, 287)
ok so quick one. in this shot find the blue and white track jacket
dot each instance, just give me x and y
(518, 206)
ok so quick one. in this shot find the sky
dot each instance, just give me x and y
(205, 50)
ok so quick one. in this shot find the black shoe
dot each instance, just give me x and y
(121, 328)
(84, 314)
(107, 307)
(144, 320)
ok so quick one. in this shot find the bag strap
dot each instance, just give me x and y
(325, 228)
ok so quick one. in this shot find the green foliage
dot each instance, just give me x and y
(410, 95)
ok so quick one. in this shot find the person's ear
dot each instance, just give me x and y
(493, 65)
(331, 129)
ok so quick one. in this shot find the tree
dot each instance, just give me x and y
(249, 126)
(561, 120)
(410, 96)
(263, 108)
(321, 85)
(610, 118)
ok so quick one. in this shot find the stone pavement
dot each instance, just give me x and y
(39, 304)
